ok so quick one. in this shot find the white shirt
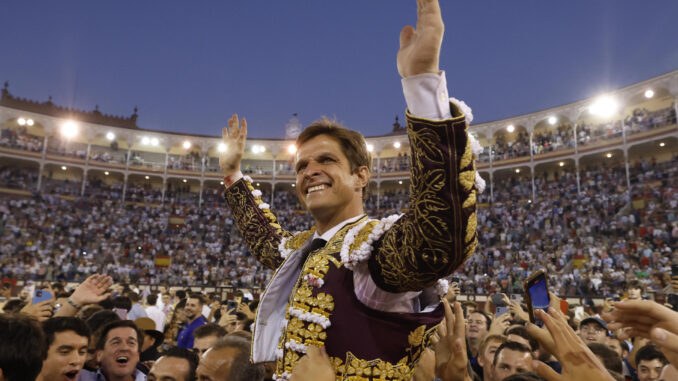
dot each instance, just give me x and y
(156, 314)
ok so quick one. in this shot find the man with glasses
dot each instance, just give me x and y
(593, 330)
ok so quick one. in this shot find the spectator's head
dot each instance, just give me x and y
(177, 364)
(152, 299)
(519, 335)
(67, 343)
(181, 294)
(228, 360)
(634, 289)
(468, 307)
(152, 337)
(193, 307)
(206, 336)
(123, 303)
(618, 345)
(22, 348)
(488, 348)
(649, 363)
(607, 356)
(477, 326)
(118, 348)
(166, 298)
(593, 330)
(511, 358)
(134, 297)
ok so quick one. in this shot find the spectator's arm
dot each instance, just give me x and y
(93, 290)
(450, 348)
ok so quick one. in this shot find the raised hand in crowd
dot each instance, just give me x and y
(420, 48)
(453, 292)
(41, 311)
(500, 324)
(576, 359)
(245, 309)
(93, 290)
(649, 320)
(313, 366)
(450, 347)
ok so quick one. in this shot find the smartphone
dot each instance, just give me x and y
(498, 300)
(500, 311)
(41, 296)
(579, 313)
(537, 295)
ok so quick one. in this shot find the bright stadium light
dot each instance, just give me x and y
(649, 93)
(510, 128)
(552, 120)
(604, 106)
(562, 164)
(155, 141)
(370, 147)
(258, 149)
(662, 144)
(187, 144)
(147, 177)
(292, 149)
(69, 129)
(21, 121)
(145, 141)
(110, 136)
(396, 145)
(106, 173)
(185, 180)
(222, 183)
(517, 170)
(222, 147)
(400, 182)
(294, 185)
(63, 168)
(29, 122)
(609, 155)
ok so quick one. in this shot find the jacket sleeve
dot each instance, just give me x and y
(438, 231)
(257, 224)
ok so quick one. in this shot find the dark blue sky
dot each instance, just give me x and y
(190, 65)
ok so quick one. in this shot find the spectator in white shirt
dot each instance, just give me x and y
(154, 312)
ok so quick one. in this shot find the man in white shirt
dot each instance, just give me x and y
(155, 313)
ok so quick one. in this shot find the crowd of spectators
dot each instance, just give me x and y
(561, 137)
(20, 139)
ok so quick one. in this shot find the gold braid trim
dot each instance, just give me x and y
(467, 157)
(471, 200)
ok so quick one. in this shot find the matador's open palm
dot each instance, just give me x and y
(234, 141)
(420, 48)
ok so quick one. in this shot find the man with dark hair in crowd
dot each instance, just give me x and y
(22, 348)
(176, 364)
(206, 336)
(229, 360)
(67, 341)
(649, 363)
(117, 351)
(193, 313)
(152, 339)
(477, 326)
(634, 290)
(511, 358)
(154, 312)
(136, 311)
(486, 353)
(607, 356)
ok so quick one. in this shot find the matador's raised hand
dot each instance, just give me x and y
(234, 139)
(420, 48)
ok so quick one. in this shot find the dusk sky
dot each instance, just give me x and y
(189, 65)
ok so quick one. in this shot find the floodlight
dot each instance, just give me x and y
(370, 147)
(63, 168)
(185, 180)
(396, 145)
(510, 128)
(604, 106)
(222, 147)
(517, 170)
(21, 121)
(609, 155)
(292, 149)
(145, 141)
(106, 173)
(649, 93)
(400, 182)
(29, 122)
(552, 120)
(69, 129)
(562, 164)
(110, 136)
(155, 141)
(187, 144)
(147, 177)
(662, 144)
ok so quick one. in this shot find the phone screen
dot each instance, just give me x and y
(500, 311)
(539, 296)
